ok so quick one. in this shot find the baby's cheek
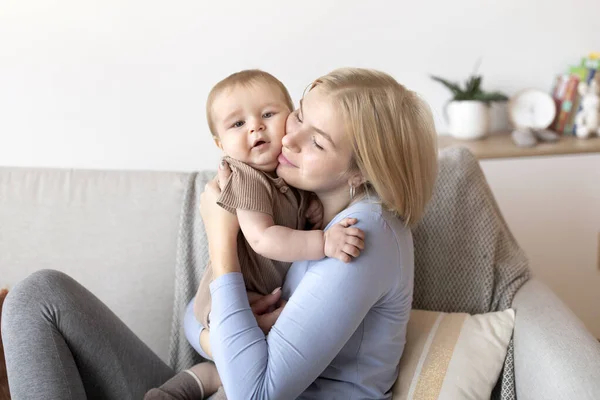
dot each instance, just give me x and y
(280, 130)
(283, 126)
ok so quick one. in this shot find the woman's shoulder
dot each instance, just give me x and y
(373, 217)
(388, 241)
(387, 259)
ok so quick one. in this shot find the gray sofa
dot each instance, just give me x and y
(116, 233)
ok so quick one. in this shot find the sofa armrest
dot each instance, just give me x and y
(555, 356)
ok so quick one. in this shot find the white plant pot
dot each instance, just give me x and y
(469, 120)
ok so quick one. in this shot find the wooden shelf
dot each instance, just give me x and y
(500, 145)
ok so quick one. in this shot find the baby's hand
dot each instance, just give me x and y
(344, 242)
(314, 213)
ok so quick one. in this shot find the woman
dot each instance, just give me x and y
(366, 146)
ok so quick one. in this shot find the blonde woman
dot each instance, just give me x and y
(366, 146)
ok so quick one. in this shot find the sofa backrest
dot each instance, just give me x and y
(466, 258)
(115, 232)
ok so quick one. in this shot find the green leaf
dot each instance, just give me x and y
(453, 87)
(489, 97)
(463, 96)
(473, 85)
(472, 90)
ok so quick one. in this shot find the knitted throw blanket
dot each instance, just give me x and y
(192, 258)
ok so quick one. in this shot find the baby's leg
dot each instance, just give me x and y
(202, 300)
(206, 373)
(198, 382)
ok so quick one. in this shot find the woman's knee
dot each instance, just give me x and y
(48, 277)
(38, 285)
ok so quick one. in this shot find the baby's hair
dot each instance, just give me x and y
(245, 78)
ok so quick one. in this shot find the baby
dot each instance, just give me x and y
(247, 113)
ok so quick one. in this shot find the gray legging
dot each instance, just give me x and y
(62, 342)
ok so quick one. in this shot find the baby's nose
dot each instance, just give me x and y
(256, 126)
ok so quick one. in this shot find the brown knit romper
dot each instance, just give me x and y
(254, 190)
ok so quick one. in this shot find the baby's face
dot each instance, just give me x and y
(250, 123)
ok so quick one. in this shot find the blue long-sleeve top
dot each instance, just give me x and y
(342, 331)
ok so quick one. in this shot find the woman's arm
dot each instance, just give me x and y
(327, 307)
(260, 308)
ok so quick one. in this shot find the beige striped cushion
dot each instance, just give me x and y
(453, 356)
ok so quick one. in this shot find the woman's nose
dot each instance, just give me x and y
(290, 141)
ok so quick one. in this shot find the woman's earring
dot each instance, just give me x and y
(351, 192)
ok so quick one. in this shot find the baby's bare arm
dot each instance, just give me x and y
(278, 242)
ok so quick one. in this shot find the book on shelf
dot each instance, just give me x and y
(566, 107)
(558, 94)
(566, 92)
(587, 72)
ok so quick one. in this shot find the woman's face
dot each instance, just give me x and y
(316, 151)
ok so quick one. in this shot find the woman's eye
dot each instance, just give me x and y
(316, 144)
(238, 124)
(298, 116)
(268, 115)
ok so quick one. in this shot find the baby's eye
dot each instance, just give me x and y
(238, 124)
(268, 114)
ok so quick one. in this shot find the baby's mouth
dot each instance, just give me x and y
(259, 143)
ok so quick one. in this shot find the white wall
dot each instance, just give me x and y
(122, 83)
(552, 205)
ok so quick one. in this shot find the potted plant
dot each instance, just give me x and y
(468, 112)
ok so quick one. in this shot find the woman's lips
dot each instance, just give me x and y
(284, 161)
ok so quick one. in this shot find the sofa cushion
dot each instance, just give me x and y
(114, 232)
(453, 356)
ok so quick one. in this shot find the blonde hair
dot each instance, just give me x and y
(393, 137)
(245, 78)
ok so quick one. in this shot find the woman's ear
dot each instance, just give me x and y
(356, 180)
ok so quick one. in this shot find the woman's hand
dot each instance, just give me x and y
(266, 309)
(216, 219)
(221, 226)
